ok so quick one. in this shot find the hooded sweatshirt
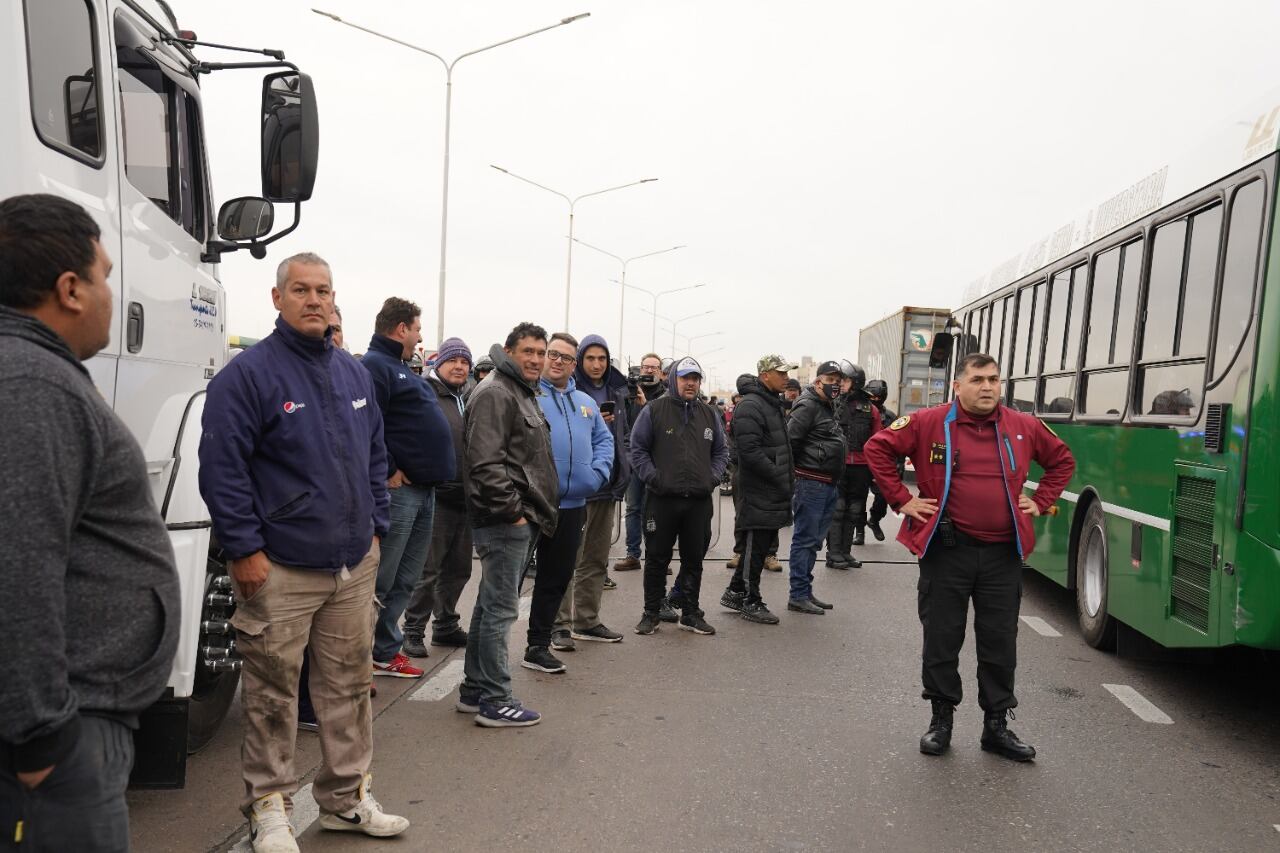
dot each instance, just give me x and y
(613, 386)
(580, 442)
(678, 446)
(91, 596)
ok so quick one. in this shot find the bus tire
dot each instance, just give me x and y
(214, 691)
(1093, 572)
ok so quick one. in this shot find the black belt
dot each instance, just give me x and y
(963, 538)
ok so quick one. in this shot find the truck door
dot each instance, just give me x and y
(173, 323)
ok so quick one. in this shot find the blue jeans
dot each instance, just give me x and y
(813, 504)
(404, 553)
(504, 550)
(635, 517)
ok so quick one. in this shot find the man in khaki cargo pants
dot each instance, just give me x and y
(294, 472)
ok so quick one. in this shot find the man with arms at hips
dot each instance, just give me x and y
(971, 528)
(294, 473)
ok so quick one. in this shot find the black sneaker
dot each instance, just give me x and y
(541, 659)
(457, 638)
(414, 647)
(676, 600)
(667, 613)
(874, 527)
(691, 620)
(756, 612)
(824, 605)
(733, 600)
(609, 583)
(598, 634)
(562, 641)
(648, 623)
(805, 606)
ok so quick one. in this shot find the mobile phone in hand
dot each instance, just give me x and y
(608, 407)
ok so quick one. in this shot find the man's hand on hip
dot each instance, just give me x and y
(919, 508)
(250, 573)
(1028, 506)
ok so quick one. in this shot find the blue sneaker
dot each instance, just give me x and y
(505, 716)
(468, 703)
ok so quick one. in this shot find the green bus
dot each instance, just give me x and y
(1146, 334)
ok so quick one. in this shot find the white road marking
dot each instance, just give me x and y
(1138, 704)
(1277, 826)
(525, 603)
(441, 684)
(305, 812)
(1041, 627)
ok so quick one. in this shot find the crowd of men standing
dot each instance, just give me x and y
(349, 495)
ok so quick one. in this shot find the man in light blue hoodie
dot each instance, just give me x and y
(582, 446)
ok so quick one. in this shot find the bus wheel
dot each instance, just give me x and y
(1092, 574)
(217, 665)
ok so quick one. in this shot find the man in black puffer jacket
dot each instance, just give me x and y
(818, 445)
(765, 481)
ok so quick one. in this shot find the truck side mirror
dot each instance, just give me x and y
(246, 218)
(940, 353)
(290, 136)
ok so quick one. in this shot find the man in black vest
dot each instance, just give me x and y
(678, 451)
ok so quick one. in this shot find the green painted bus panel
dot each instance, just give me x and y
(1255, 609)
(1262, 505)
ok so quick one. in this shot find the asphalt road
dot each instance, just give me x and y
(800, 736)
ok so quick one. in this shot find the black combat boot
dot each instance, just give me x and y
(859, 535)
(938, 739)
(997, 737)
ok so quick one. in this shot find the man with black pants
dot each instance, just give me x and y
(970, 539)
(859, 419)
(876, 390)
(91, 595)
(679, 452)
(765, 482)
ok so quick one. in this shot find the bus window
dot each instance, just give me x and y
(1172, 389)
(1033, 336)
(1023, 394)
(1006, 342)
(1059, 395)
(63, 65)
(1075, 316)
(1197, 291)
(1104, 393)
(1056, 320)
(1127, 302)
(1239, 273)
(997, 329)
(1018, 365)
(984, 326)
(1162, 291)
(1102, 309)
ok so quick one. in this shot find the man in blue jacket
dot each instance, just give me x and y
(583, 451)
(419, 456)
(294, 472)
(579, 616)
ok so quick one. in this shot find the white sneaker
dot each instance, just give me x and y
(367, 817)
(269, 828)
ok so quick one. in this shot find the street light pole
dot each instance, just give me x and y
(653, 335)
(622, 305)
(568, 267)
(448, 111)
(676, 323)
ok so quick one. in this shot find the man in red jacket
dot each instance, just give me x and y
(971, 529)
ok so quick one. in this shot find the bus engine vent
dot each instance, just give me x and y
(1192, 550)
(1215, 422)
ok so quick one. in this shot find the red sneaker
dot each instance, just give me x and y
(399, 667)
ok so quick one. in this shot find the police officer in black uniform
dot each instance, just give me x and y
(859, 419)
(877, 390)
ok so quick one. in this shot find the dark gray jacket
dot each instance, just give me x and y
(90, 592)
(510, 471)
(766, 478)
(453, 404)
(817, 442)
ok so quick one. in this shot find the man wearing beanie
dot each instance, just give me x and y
(449, 557)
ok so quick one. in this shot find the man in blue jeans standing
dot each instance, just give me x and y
(419, 455)
(513, 496)
(818, 447)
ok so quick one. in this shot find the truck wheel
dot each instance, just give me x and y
(217, 665)
(1092, 575)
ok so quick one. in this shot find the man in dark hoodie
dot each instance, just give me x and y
(91, 605)
(765, 481)
(579, 616)
(818, 447)
(513, 495)
(294, 472)
(679, 452)
(449, 558)
(419, 455)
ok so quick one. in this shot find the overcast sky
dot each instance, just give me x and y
(825, 163)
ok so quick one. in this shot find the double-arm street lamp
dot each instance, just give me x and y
(572, 202)
(622, 305)
(653, 335)
(675, 324)
(448, 107)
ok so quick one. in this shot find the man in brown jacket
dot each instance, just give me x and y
(513, 496)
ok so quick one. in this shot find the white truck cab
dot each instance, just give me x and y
(103, 106)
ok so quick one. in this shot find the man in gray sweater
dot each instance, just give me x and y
(91, 593)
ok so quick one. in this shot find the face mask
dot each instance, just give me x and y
(832, 391)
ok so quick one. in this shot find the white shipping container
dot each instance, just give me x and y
(896, 349)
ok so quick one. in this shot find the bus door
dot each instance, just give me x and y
(173, 305)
